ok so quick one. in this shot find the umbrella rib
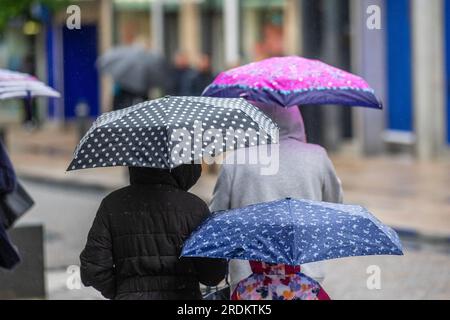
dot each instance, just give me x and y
(106, 119)
(248, 109)
(166, 124)
(291, 214)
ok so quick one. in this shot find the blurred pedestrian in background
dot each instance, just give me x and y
(124, 98)
(30, 121)
(183, 76)
(136, 69)
(135, 242)
(203, 76)
(305, 172)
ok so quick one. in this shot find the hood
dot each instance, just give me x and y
(289, 120)
(182, 177)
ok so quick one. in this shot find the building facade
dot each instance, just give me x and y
(406, 58)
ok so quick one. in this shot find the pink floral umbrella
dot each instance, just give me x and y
(291, 81)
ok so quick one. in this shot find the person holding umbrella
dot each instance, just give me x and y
(305, 172)
(278, 237)
(278, 86)
(17, 85)
(135, 70)
(133, 247)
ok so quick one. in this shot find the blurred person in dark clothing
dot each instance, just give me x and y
(182, 76)
(204, 75)
(30, 120)
(124, 98)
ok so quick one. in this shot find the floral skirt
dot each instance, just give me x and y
(296, 286)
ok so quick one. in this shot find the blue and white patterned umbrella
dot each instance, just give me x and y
(292, 232)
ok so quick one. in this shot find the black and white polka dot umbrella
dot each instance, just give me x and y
(171, 131)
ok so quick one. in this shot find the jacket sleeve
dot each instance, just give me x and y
(221, 199)
(210, 272)
(331, 187)
(97, 266)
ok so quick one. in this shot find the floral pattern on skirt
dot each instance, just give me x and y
(278, 282)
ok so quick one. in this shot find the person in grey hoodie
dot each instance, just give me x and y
(304, 171)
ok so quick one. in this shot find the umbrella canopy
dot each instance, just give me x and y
(171, 131)
(292, 232)
(291, 81)
(134, 68)
(21, 85)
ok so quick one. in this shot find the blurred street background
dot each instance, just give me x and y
(396, 162)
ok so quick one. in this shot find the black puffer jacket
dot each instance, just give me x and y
(133, 247)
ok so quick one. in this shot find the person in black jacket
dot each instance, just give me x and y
(133, 247)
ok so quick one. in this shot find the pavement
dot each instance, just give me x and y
(413, 197)
(402, 192)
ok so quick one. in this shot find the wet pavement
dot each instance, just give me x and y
(419, 274)
(400, 191)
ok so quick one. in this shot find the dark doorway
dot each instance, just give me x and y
(81, 81)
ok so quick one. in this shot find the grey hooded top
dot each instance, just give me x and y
(304, 171)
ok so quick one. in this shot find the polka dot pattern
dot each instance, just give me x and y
(171, 131)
